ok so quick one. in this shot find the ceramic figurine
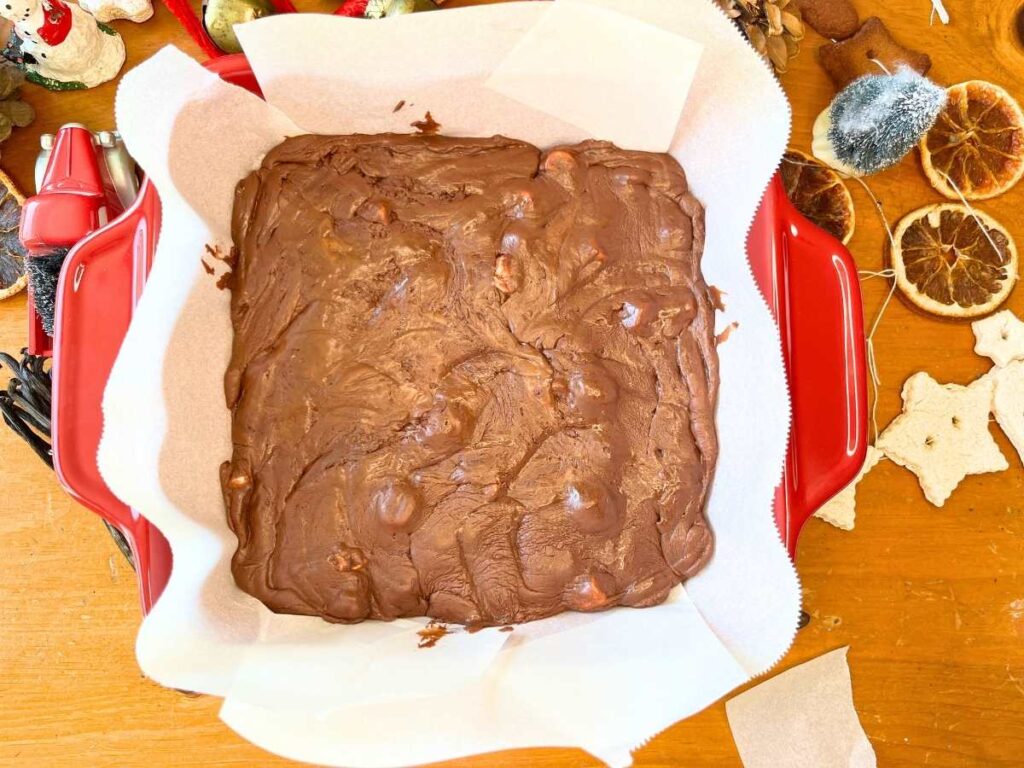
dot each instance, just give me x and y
(60, 45)
(111, 10)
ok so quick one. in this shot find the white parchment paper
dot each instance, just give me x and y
(364, 694)
(804, 716)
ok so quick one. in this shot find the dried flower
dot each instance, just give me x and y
(14, 113)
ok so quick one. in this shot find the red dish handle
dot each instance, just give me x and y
(100, 282)
(810, 282)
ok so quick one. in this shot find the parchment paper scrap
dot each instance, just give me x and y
(802, 718)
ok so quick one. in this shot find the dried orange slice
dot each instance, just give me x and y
(12, 252)
(977, 142)
(819, 193)
(953, 261)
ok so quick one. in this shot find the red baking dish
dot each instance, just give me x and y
(807, 277)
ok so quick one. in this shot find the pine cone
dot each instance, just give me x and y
(774, 30)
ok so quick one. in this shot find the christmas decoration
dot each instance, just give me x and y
(61, 46)
(14, 113)
(953, 261)
(975, 150)
(352, 8)
(819, 193)
(215, 36)
(112, 10)
(773, 27)
(1008, 402)
(43, 275)
(12, 252)
(379, 9)
(220, 17)
(1000, 337)
(841, 509)
(875, 122)
(834, 19)
(873, 50)
(942, 436)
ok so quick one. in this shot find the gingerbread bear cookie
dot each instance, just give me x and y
(834, 19)
(871, 51)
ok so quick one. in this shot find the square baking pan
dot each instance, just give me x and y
(808, 279)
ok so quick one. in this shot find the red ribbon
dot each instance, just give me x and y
(352, 8)
(182, 10)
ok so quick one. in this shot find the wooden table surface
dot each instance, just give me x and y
(929, 600)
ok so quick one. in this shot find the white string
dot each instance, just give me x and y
(881, 66)
(878, 207)
(940, 9)
(876, 380)
(872, 360)
(981, 225)
(791, 161)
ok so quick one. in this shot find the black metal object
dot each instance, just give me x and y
(25, 406)
(121, 542)
(25, 403)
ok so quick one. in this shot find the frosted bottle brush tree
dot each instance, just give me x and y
(875, 121)
(773, 27)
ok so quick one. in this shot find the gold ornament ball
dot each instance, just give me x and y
(379, 9)
(220, 16)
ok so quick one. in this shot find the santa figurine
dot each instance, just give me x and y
(61, 46)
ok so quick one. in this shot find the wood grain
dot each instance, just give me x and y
(930, 600)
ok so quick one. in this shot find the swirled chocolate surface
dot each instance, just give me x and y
(470, 380)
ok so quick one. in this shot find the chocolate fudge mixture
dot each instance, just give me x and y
(470, 380)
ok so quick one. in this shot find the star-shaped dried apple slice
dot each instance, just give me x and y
(942, 435)
(999, 337)
(1008, 402)
(841, 509)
